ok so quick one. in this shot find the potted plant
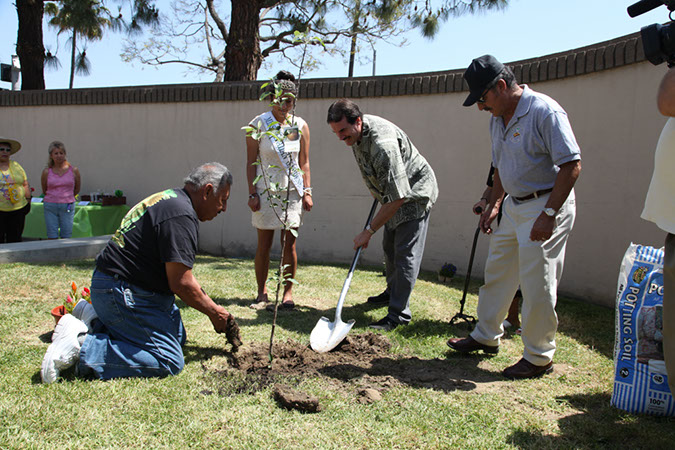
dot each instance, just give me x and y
(446, 272)
(112, 200)
(58, 312)
(70, 302)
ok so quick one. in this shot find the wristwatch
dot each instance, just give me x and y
(550, 212)
(254, 195)
(370, 230)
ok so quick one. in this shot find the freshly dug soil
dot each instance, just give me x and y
(293, 358)
(289, 398)
(232, 334)
(369, 395)
(361, 367)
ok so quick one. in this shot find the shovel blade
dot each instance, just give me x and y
(326, 335)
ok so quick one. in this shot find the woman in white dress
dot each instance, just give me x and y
(293, 151)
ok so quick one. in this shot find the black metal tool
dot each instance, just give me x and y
(460, 315)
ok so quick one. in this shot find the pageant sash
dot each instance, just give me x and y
(292, 141)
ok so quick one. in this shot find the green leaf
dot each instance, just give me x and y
(320, 41)
(255, 181)
(294, 232)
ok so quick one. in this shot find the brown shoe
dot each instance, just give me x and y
(469, 344)
(525, 369)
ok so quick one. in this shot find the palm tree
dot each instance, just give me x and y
(83, 18)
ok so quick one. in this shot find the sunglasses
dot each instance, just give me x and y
(482, 97)
(5, 149)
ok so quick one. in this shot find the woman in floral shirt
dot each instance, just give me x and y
(14, 193)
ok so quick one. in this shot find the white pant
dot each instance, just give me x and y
(514, 259)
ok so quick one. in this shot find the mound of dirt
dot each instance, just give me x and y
(361, 367)
(289, 398)
(293, 358)
(369, 395)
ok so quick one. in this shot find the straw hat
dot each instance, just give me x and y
(15, 145)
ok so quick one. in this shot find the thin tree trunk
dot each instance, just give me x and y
(352, 56)
(355, 36)
(29, 47)
(242, 54)
(72, 59)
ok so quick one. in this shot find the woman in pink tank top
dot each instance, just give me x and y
(60, 185)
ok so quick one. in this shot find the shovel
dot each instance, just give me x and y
(326, 335)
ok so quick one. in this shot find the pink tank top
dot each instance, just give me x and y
(60, 188)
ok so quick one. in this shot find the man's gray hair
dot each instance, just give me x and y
(212, 173)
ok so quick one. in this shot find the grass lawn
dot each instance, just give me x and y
(202, 407)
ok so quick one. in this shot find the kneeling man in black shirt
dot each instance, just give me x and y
(133, 328)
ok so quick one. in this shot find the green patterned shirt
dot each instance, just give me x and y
(393, 169)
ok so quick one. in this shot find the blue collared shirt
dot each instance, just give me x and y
(537, 140)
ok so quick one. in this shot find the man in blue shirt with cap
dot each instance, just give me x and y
(537, 162)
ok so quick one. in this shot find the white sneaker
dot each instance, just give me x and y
(64, 351)
(85, 312)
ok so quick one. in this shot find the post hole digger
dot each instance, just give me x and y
(470, 320)
(326, 335)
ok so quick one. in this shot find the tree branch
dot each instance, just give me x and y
(216, 18)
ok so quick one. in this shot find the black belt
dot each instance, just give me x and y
(534, 195)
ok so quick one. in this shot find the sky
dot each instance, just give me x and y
(525, 29)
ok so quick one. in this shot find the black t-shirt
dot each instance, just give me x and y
(162, 228)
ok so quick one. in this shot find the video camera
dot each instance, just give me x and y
(658, 41)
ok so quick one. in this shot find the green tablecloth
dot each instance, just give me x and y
(90, 220)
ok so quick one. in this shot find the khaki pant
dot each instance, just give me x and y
(537, 266)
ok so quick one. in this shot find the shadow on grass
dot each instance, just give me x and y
(599, 425)
(447, 375)
(192, 353)
(591, 325)
(46, 337)
(302, 319)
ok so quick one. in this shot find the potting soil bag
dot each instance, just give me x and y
(640, 378)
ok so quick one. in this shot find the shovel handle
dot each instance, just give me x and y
(370, 219)
(345, 286)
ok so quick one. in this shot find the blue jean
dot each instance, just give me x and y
(138, 333)
(59, 216)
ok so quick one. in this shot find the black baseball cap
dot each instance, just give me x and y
(480, 74)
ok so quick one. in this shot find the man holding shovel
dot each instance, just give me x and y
(537, 162)
(404, 183)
